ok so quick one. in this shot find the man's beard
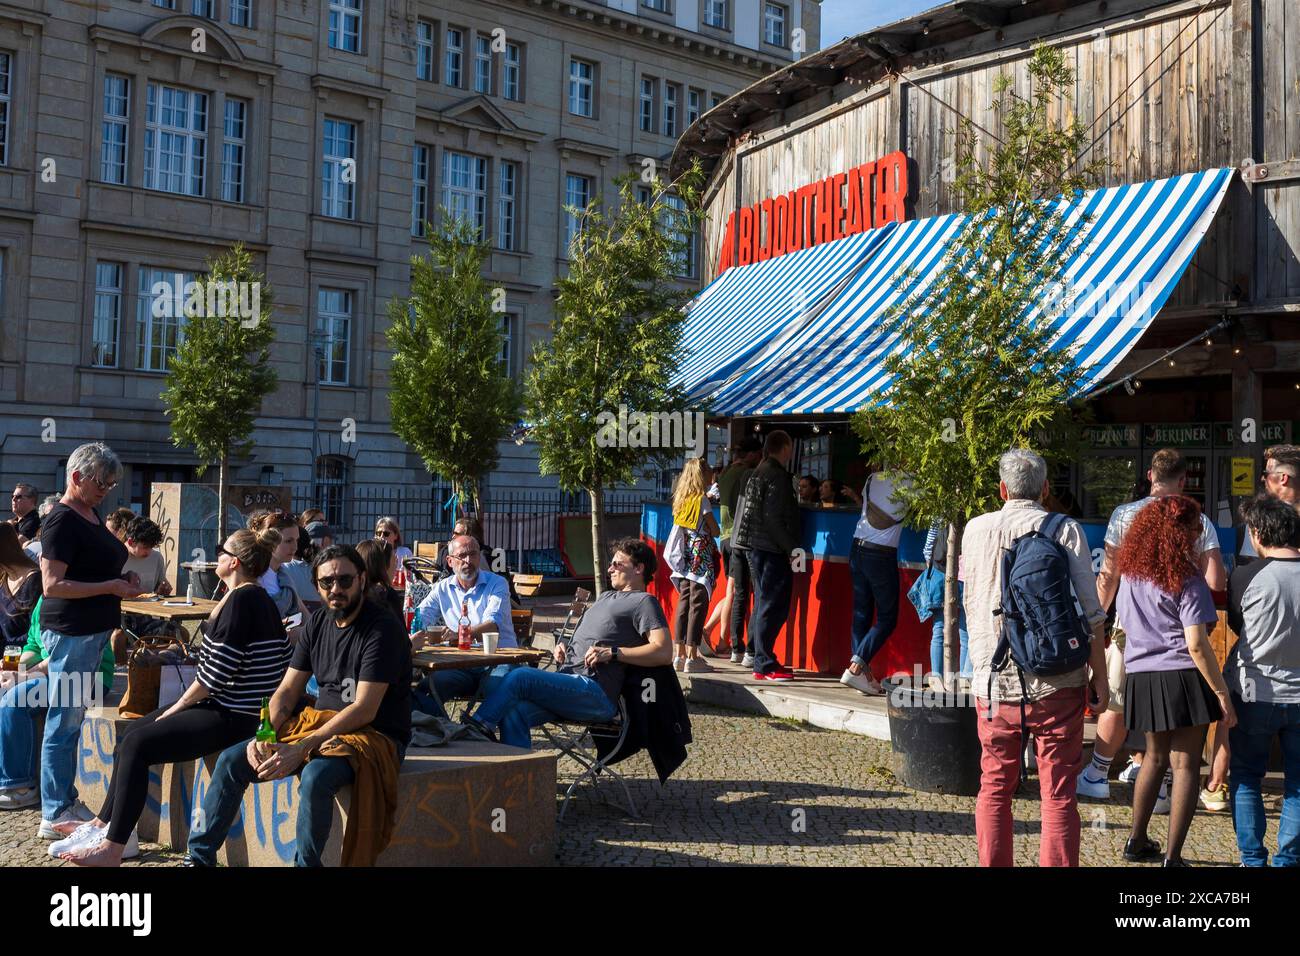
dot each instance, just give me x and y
(342, 614)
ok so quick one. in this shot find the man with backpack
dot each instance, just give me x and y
(1036, 630)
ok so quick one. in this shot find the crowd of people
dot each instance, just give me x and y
(318, 631)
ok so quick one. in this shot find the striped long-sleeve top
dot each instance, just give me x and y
(245, 651)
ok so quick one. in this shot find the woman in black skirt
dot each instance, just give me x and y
(1173, 690)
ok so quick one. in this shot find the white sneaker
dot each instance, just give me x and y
(77, 813)
(679, 663)
(747, 662)
(862, 682)
(1162, 805)
(1095, 789)
(89, 835)
(696, 665)
(1130, 773)
(18, 797)
(737, 657)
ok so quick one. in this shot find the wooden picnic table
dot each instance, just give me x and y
(171, 608)
(441, 657)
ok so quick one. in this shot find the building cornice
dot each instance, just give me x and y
(146, 43)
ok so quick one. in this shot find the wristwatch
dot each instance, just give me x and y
(613, 653)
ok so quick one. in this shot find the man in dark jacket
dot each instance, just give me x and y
(767, 532)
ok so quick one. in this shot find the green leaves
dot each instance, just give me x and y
(220, 372)
(976, 373)
(451, 397)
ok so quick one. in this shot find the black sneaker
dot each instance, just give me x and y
(1175, 862)
(189, 861)
(474, 724)
(1146, 852)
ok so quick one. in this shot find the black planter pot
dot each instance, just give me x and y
(936, 745)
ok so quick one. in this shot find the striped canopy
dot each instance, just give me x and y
(829, 357)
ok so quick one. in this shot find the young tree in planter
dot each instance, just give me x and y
(617, 340)
(976, 373)
(452, 398)
(220, 371)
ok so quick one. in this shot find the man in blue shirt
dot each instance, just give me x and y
(486, 599)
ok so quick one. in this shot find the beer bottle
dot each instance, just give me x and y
(265, 732)
(463, 637)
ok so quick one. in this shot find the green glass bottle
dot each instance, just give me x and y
(265, 732)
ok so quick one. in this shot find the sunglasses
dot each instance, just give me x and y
(221, 549)
(344, 581)
(1270, 474)
(103, 487)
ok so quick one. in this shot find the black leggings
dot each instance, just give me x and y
(195, 732)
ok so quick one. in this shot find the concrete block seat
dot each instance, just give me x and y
(464, 804)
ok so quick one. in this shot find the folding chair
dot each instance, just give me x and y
(578, 742)
(581, 601)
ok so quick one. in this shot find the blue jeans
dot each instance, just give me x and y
(319, 780)
(1249, 742)
(451, 685)
(773, 583)
(73, 670)
(936, 643)
(875, 593)
(18, 758)
(527, 698)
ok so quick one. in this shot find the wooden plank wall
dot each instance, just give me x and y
(1156, 94)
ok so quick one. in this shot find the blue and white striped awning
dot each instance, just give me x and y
(1135, 246)
(749, 308)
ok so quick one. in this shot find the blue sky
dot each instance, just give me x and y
(841, 18)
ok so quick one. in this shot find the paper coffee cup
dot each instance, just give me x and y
(490, 642)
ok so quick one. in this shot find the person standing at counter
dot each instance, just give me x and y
(767, 534)
(873, 564)
(733, 609)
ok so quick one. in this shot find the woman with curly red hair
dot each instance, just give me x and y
(1174, 689)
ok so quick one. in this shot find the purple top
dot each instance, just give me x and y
(1154, 619)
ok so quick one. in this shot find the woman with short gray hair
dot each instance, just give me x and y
(81, 569)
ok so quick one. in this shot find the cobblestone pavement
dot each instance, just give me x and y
(762, 791)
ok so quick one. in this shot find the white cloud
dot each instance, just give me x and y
(842, 18)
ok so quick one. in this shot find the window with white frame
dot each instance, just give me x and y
(165, 4)
(582, 84)
(774, 17)
(158, 320)
(338, 169)
(512, 87)
(662, 6)
(204, 8)
(716, 100)
(113, 148)
(577, 193)
(108, 314)
(507, 334)
(483, 64)
(677, 224)
(507, 204)
(647, 104)
(453, 73)
(241, 13)
(464, 188)
(334, 325)
(670, 109)
(424, 50)
(175, 140)
(6, 75)
(232, 150)
(694, 98)
(715, 13)
(419, 189)
(345, 25)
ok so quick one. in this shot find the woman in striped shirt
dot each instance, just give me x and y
(244, 655)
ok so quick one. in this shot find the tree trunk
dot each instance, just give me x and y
(951, 606)
(223, 490)
(598, 536)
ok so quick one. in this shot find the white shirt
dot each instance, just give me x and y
(487, 600)
(879, 491)
(1122, 517)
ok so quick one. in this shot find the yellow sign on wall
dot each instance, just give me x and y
(1243, 476)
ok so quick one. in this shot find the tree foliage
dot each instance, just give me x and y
(220, 372)
(452, 399)
(617, 337)
(976, 372)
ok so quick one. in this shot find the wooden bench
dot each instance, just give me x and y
(465, 804)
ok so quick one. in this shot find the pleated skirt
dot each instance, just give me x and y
(1156, 701)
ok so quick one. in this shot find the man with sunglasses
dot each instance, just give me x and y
(1280, 480)
(25, 517)
(485, 598)
(362, 662)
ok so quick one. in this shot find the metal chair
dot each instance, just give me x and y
(578, 742)
(581, 601)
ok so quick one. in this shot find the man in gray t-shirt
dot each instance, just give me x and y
(624, 626)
